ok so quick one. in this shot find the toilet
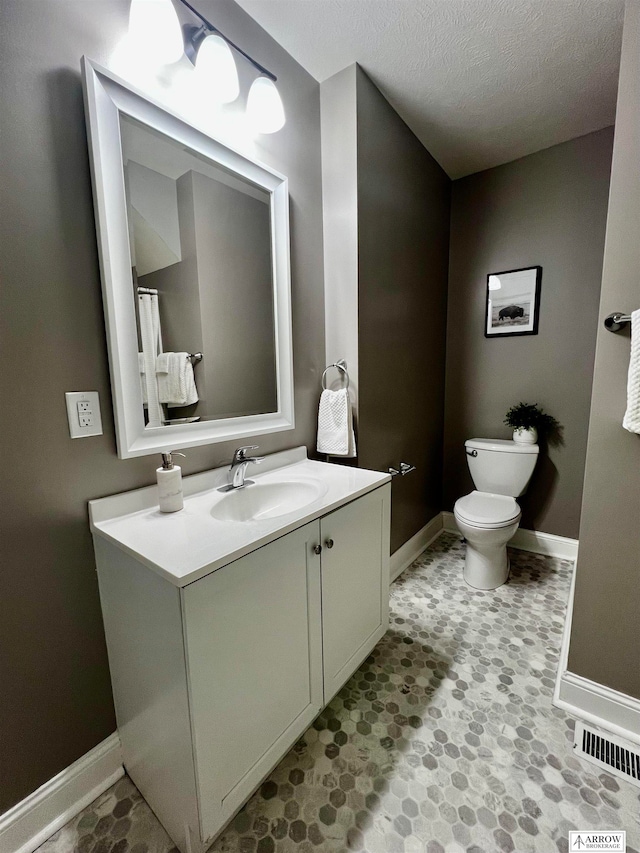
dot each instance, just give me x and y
(489, 516)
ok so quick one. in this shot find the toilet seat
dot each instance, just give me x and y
(487, 511)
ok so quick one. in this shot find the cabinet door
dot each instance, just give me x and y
(355, 584)
(253, 644)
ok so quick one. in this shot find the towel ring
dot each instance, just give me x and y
(341, 365)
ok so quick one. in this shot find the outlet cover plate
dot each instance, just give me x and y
(91, 398)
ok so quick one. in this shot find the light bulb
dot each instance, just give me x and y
(216, 71)
(265, 110)
(154, 30)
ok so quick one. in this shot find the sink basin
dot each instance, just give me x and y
(267, 500)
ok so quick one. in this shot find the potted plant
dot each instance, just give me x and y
(527, 420)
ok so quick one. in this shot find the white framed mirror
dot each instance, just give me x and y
(193, 240)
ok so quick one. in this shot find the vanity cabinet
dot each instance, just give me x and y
(215, 680)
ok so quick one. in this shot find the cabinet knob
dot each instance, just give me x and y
(329, 543)
(317, 549)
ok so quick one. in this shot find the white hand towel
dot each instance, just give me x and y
(176, 382)
(335, 424)
(632, 415)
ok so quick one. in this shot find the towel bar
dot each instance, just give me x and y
(342, 366)
(405, 468)
(151, 291)
(616, 321)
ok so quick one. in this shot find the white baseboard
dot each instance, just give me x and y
(604, 707)
(545, 543)
(530, 540)
(407, 553)
(40, 815)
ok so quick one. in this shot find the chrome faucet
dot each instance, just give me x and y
(238, 468)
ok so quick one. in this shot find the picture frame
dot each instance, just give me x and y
(513, 302)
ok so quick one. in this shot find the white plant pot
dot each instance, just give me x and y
(523, 435)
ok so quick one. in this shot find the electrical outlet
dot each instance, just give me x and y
(83, 411)
(85, 415)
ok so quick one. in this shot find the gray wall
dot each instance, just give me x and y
(236, 299)
(550, 209)
(56, 696)
(605, 635)
(403, 246)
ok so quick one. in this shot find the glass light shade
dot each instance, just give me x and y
(265, 110)
(154, 30)
(216, 70)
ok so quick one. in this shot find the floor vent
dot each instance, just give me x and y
(609, 752)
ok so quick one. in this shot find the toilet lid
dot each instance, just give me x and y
(487, 510)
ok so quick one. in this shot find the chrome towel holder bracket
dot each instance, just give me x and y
(616, 321)
(341, 365)
(405, 468)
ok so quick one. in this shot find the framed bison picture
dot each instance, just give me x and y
(513, 302)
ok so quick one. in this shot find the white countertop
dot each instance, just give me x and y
(187, 545)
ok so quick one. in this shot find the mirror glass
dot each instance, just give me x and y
(202, 273)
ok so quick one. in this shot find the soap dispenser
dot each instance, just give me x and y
(170, 496)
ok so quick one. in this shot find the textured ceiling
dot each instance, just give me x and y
(480, 82)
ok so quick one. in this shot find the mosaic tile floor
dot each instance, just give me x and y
(444, 740)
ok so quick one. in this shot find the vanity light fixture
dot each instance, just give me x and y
(265, 110)
(215, 69)
(154, 30)
(209, 51)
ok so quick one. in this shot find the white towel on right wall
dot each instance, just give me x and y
(632, 415)
(335, 424)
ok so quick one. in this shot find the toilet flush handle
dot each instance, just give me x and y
(472, 452)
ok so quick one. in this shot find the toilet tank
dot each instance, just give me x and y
(500, 466)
